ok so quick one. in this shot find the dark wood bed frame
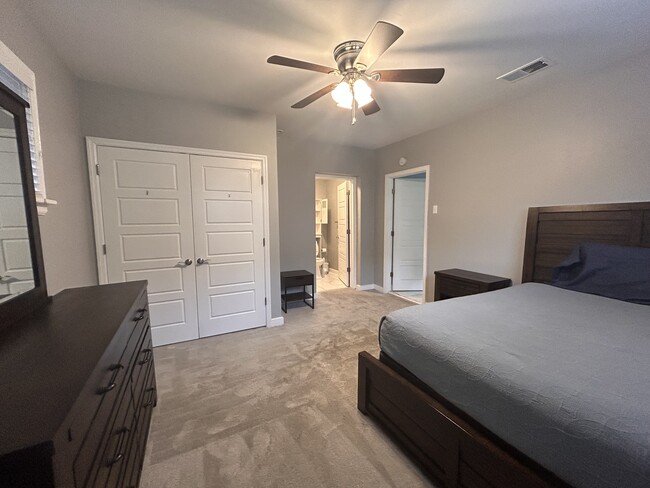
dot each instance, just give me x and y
(450, 446)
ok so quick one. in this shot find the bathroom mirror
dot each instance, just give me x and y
(22, 279)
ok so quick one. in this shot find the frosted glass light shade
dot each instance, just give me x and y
(362, 92)
(342, 94)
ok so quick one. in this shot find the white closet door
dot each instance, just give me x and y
(147, 214)
(343, 231)
(408, 241)
(228, 232)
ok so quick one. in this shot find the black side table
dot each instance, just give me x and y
(292, 279)
(451, 283)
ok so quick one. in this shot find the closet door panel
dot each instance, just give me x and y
(228, 232)
(147, 217)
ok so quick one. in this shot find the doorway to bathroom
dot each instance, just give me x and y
(405, 230)
(335, 235)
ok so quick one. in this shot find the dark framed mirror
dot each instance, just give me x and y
(22, 274)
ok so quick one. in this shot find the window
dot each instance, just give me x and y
(20, 79)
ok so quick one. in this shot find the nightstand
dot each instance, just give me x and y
(293, 279)
(451, 283)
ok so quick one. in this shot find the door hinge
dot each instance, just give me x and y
(348, 192)
(391, 274)
(349, 269)
(263, 241)
(265, 301)
(262, 178)
(104, 248)
(347, 231)
(97, 169)
(393, 191)
(392, 233)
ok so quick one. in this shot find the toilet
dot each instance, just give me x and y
(322, 270)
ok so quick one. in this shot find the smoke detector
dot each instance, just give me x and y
(526, 70)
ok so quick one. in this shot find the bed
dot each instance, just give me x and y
(545, 414)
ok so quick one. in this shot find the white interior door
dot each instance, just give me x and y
(228, 235)
(408, 239)
(147, 216)
(343, 230)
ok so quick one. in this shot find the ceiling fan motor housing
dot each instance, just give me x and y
(346, 54)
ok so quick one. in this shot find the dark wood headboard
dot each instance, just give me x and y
(552, 232)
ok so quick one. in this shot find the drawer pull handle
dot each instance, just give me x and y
(108, 388)
(139, 316)
(148, 354)
(114, 368)
(120, 433)
(115, 460)
(153, 394)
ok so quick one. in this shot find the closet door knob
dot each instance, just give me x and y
(201, 261)
(187, 262)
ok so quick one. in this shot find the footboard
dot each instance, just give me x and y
(449, 450)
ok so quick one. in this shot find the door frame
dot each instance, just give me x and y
(388, 220)
(355, 221)
(92, 143)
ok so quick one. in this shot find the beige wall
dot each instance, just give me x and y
(583, 142)
(298, 163)
(136, 116)
(66, 230)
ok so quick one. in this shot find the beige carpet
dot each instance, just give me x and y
(275, 407)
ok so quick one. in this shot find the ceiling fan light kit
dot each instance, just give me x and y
(353, 60)
(348, 91)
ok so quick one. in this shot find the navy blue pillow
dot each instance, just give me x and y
(618, 272)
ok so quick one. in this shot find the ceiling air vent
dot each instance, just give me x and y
(526, 70)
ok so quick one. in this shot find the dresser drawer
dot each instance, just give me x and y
(134, 461)
(298, 281)
(149, 400)
(457, 288)
(143, 362)
(111, 464)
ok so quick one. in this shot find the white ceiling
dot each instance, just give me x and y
(216, 50)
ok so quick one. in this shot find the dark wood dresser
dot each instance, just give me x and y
(77, 388)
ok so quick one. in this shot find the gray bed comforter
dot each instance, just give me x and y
(562, 376)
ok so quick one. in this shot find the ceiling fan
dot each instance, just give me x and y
(354, 59)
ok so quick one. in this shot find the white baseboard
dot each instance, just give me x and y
(276, 321)
(372, 286)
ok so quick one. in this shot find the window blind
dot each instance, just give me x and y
(8, 79)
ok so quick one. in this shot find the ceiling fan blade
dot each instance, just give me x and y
(295, 63)
(382, 37)
(425, 75)
(314, 96)
(371, 108)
